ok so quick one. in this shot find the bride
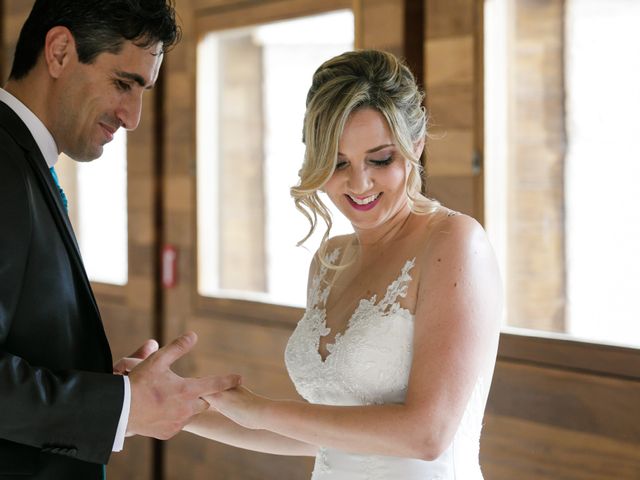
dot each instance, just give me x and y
(396, 350)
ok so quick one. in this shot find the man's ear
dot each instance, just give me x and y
(59, 50)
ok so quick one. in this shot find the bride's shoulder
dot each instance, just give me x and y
(444, 219)
(447, 231)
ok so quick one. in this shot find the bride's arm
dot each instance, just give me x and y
(215, 426)
(455, 340)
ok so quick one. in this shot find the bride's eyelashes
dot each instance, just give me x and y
(342, 164)
(382, 163)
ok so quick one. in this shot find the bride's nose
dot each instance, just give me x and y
(359, 180)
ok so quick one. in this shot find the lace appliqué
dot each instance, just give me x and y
(366, 364)
(322, 462)
(317, 295)
(398, 288)
(371, 308)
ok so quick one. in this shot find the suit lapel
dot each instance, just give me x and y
(21, 134)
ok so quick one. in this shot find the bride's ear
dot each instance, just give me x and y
(418, 147)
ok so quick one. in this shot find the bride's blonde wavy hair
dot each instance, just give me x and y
(340, 86)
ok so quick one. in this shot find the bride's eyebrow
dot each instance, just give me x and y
(379, 147)
(372, 150)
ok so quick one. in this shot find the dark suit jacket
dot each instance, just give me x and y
(59, 402)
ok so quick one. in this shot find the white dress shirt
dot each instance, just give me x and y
(49, 150)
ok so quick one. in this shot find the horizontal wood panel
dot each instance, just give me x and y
(450, 152)
(181, 191)
(140, 291)
(567, 353)
(140, 227)
(134, 462)
(452, 191)
(593, 404)
(450, 61)
(252, 344)
(217, 4)
(449, 18)
(263, 379)
(210, 18)
(377, 13)
(249, 311)
(515, 448)
(208, 460)
(140, 192)
(451, 106)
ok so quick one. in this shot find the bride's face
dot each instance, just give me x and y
(369, 182)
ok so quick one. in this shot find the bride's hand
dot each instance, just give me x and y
(240, 405)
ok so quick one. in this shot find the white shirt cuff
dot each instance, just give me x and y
(118, 443)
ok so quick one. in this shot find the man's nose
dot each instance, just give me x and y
(130, 111)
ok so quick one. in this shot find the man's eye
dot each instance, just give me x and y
(123, 86)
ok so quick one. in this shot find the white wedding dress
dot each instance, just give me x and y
(369, 364)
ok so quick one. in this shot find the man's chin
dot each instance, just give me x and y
(87, 156)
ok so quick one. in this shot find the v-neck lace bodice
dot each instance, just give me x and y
(369, 363)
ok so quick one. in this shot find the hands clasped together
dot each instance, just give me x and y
(162, 402)
(240, 405)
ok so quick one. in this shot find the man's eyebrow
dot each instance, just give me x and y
(135, 78)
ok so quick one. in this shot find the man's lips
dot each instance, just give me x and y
(109, 130)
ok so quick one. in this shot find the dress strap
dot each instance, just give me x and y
(398, 288)
(319, 289)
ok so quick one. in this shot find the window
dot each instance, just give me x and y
(252, 86)
(97, 193)
(562, 149)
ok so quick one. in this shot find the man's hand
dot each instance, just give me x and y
(126, 364)
(163, 402)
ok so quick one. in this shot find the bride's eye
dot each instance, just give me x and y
(341, 164)
(382, 163)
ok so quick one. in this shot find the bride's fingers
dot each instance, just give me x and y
(200, 406)
(125, 365)
(210, 399)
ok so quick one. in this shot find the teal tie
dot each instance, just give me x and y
(62, 195)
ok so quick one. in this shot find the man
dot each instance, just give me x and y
(79, 74)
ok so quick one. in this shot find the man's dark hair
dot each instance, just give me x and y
(97, 26)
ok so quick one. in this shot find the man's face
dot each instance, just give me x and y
(93, 100)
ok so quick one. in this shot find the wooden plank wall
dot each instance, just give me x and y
(453, 96)
(559, 411)
(536, 293)
(559, 415)
(563, 411)
(14, 13)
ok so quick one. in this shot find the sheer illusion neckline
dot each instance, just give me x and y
(388, 305)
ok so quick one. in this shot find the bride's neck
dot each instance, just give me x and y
(390, 231)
